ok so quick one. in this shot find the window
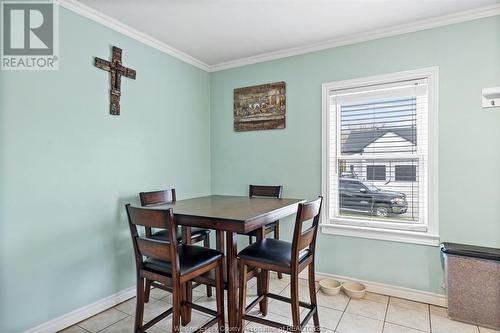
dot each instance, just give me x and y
(375, 172)
(405, 173)
(379, 157)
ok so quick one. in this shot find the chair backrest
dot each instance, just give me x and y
(152, 248)
(265, 191)
(306, 238)
(157, 197)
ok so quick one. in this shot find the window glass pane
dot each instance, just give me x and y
(379, 127)
(406, 173)
(375, 172)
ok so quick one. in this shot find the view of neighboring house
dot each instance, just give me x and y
(388, 174)
(367, 142)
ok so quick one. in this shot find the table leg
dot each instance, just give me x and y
(187, 293)
(219, 240)
(262, 278)
(232, 281)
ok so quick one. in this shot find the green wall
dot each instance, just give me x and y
(468, 56)
(68, 168)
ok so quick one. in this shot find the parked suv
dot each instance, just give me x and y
(356, 195)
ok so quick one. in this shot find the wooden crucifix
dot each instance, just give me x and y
(117, 70)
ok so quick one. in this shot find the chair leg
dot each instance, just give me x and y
(243, 295)
(186, 295)
(250, 240)
(219, 295)
(139, 307)
(294, 291)
(312, 296)
(176, 304)
(277, 236)
(206, 243)
(264, 290)
(147, 291)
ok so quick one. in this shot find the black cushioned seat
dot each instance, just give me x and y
(272, 251)
(195, 232)
(190, 257)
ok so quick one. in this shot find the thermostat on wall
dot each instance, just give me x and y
(491, 97)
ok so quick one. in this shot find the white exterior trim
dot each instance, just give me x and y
(435, 22)
(389, 290)
(128, 31)
(83, 313)
(431, 236)
(120, 27)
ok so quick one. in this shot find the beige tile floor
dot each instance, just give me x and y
(373, 314)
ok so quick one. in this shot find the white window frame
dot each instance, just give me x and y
(417, 234)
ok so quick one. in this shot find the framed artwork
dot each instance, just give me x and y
(260, 107)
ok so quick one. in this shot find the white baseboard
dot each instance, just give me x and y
(386, 289)
(83, 313)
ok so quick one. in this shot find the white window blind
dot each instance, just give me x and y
(378, 155)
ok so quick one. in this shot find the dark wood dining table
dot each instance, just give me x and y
(231, 215)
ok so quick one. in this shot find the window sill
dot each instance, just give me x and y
(412, 237)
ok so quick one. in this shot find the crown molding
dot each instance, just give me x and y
(122, 28)
(435, 22)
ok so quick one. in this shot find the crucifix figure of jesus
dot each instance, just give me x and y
(117, 70)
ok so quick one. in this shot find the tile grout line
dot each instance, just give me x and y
(357, 314)
(413, 328)
(430, 320)
(385, 316)
(121, 310)
(78, 324)
(360, 315)
(342, 316)
(79, 327)
(116, 322)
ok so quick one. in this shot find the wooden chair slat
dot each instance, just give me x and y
(306, 238)
(265, 191)
(157, 197)
(148, 218)
(302, 239)
(309, 210)
(154, 249)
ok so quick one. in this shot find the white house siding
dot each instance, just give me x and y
(389, 143)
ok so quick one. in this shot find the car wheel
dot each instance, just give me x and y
(382, 211)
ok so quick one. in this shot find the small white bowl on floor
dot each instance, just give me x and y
(330, 286)
(354, 289)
